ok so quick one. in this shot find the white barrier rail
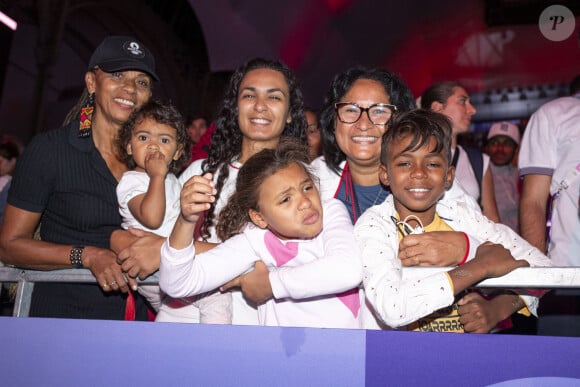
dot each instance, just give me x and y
(528, 277)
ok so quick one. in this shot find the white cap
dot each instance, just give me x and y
(504, 129)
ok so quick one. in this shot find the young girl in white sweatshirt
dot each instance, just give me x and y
(276, 216)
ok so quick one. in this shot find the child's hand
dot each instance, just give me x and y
(477, 314)
(497, 260)
(196, 195)
(156, 165)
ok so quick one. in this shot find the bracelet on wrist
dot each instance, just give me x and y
(76, 256)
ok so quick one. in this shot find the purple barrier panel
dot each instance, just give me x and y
(444, 359)
(62, 352)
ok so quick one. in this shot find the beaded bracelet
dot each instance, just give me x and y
(76, 256)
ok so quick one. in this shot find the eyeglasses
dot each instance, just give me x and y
(378, 113)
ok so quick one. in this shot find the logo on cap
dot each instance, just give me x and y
(134, 49)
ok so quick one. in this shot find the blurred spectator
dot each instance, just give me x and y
(199, 149)
(503, 140)
(196, 127)
(313, 133)
(549, 162)
(471, 166)
(9, 152)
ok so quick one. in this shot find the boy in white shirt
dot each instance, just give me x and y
(415, 159)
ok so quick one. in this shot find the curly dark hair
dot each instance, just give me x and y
(226, 142)
(235, 215)
(399, 95)
(421, 125)
(164, 114)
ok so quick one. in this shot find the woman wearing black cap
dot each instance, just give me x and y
(66, 180)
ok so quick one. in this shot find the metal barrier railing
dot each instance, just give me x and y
(26, 279)
(527, 277)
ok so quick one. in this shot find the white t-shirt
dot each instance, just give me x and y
(135, 183)
(551, 146)
(212, 308)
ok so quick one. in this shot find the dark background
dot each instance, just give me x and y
(494, 48)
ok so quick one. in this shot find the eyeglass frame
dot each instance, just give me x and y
(337, 105)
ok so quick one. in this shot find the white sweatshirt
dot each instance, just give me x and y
(307, 276)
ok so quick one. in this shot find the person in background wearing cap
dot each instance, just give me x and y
(502, 147)
(67, 178)
(502, 144)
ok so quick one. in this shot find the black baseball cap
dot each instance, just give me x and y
(120, 53)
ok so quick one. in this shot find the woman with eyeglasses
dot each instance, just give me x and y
(357, 111)
(359, 107)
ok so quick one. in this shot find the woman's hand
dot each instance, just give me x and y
(103, 264)
(436, 248)
(141, 258)
(255, 285)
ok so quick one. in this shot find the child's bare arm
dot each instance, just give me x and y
(491, 260)
(196, 195)
(149, 208)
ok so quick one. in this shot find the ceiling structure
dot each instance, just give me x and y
(484, 44)
(55, 38)
(491, 46)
